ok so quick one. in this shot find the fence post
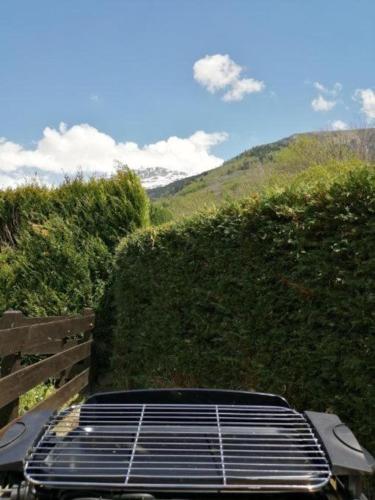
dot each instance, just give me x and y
(67, 373)
(10, 364)
(87, 311)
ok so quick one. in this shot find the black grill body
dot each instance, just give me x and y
(186, 443)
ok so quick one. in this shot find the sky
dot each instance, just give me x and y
(182, 85)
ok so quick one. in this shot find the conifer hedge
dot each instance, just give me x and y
(57, 244)
(274, 294)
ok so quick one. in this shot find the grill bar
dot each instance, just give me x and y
(178, 447)
(134, 445)
(220, 437)
(40, 462)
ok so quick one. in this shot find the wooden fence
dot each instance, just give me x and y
(62, 345)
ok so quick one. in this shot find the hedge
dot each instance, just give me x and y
(57, 244)
(275, 294)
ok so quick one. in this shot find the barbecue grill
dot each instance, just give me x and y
(182, 444)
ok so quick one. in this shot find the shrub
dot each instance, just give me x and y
(56, 245)
(107, 208)
(56, 268)
(274, 294)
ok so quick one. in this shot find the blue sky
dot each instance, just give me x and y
(125, 68)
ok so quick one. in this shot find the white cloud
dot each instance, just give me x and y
(339, 125)
(242, 87)
(319, 86)
(9, 181)
(216, 72)
(337, 88)
(334, 91)
(83, 147)
(367, 99)
(322, 104)
(219, 72)
(94, 97)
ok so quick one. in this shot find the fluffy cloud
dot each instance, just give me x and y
(339, 125)
(367, 100)
(334, 91)
(322, 104)
(83, 147)
(10, 181)
(216, 72)
(241, 87)
(220, 72)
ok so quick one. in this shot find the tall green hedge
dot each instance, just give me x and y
(57, 244)
(104, 207)
(276, 294)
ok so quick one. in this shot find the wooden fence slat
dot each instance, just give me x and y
(64, 337)
(64, 393)
(26, 339)
(72, 371)
(10, 319)
(57, 399)
(17, 318)
(25, 379)
(27, 320)
(9, 364)
(52, 347)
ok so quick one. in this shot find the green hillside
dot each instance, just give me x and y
(261, 167)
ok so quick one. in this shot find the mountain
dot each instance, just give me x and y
(262, 165)
(259, 152)
(154, 177)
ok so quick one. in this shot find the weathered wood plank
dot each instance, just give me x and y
(56, 400)
(64, 393)
(27, 339)
(11, 319)
(9, 364)
(52, 346)
(20, 334)
(25, 379)
(87, 311)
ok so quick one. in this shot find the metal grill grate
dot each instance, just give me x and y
(178, 447)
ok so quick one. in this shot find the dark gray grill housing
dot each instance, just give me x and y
(189, 447)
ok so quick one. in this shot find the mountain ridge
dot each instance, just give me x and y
(173, 187)
(254, 168)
